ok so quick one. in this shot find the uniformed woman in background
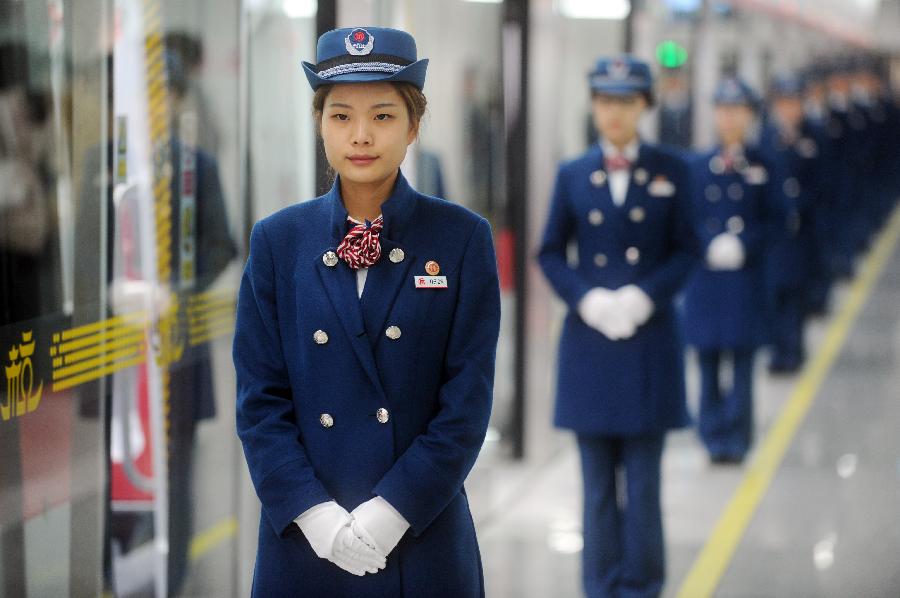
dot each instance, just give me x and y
(624, 204)
(366, 333)
(736, 206)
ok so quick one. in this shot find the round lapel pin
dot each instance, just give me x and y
(432, 268)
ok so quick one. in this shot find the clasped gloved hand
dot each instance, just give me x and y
(602, 310)
(725, 252)
(327, 527)
(379, 525)
(637, 304)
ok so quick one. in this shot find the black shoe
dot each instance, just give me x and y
(726, 459)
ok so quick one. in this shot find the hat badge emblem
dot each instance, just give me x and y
(359, 42)
(618, 69)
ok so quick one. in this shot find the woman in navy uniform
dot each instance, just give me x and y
(366, 333)
(793, 263)
(735, 204)
(620, 375)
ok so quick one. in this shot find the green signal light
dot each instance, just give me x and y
(671, 54)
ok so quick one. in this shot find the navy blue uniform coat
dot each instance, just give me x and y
(634, 386)
(435, 380)
(726, 309)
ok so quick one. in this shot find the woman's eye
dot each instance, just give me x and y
(383, 117)
(340, 116)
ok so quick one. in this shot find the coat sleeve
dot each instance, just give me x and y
(431, 472)
(279, 468)
(552, 256)
(681, 246)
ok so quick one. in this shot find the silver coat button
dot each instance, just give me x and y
(735, 191)
(382, 416)
(330, 259)
(713, 226)
(595, 217)
(640, 176)
(598, 178)
(600, 260)
(637, 214)
(320, 336)
(632, 255)
(713, 193)
(792, 187)
(393, 332)
(326, 420)
(396, 255)
(735, 225)
(716, 165)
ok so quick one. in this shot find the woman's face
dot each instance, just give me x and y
(732, 122)
(788, 110)
(617, 117)
(366, 130)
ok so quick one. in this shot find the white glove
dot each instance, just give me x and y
(379, 525)
(725, 252)
(601, 310)
(637, 305)
(327, 529)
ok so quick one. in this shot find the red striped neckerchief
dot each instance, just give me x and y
(361, 248)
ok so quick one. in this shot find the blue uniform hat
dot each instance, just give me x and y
(622, 75)
(734, 91)
(815, 73)
(361, 55)
(787, 85)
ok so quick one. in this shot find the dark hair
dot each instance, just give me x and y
(415, 101)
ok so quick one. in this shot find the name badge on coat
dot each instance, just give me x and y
(430, 282)
(661, 187)
(756, 175)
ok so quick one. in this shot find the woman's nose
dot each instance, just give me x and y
(362, 134)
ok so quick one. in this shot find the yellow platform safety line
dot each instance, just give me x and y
(713, 560)
(209, 538)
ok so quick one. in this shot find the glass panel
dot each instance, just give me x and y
(460, 153)
(282, 136)
(174, 268)
(52, 478)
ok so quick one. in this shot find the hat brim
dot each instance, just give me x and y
(624, 91)
(413, 73)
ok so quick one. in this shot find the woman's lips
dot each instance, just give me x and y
(362, 160)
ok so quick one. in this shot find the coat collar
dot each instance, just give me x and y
(397, 210)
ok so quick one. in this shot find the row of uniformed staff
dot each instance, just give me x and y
(726, 250)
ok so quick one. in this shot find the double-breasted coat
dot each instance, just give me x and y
(792, 251)
(341, 397)
(727, 309)
(634, 386)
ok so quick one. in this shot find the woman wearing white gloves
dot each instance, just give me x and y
(735, 203)
(366, 332)
(620, 386)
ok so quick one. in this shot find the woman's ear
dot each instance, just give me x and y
(413, 133)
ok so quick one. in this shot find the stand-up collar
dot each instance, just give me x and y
(397, 209)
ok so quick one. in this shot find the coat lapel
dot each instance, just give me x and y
(340, 284)
(602, 196)
(386, 278)
(634, 189)
(365, 317)
(384, 281)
